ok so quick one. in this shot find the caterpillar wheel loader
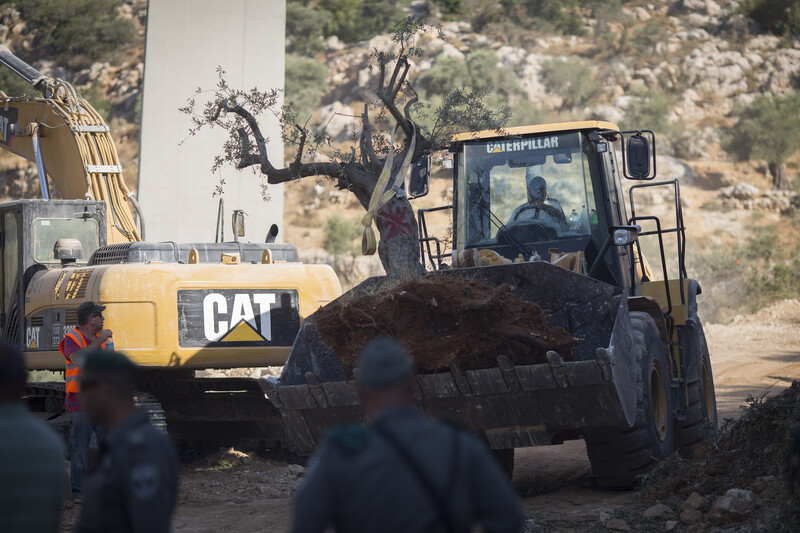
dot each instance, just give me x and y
(542, 208)
(174, 308)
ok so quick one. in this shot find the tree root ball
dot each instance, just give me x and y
(443, 320)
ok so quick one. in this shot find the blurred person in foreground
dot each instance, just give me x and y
(404, 473)
(134, 487)
(31, 456)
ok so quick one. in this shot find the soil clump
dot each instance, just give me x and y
(442, 320)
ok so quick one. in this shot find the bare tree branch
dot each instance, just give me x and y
(366, 136)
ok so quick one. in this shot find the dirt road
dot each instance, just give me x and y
(230, 492)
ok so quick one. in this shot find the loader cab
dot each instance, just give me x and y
(554, 193)
(29, 230)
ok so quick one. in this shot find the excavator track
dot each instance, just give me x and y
(197, 413)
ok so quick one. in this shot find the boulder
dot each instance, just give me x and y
(671, 168)
(658, 512)
(694, 501)
(337, 121)
(615, 524)
(735, 506)
(691, 516)
(670, 525)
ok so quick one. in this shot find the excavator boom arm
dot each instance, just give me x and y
(70, 142)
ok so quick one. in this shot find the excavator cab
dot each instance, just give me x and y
(30, 230)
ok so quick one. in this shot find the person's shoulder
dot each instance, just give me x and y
(348, 439)
(44, 436)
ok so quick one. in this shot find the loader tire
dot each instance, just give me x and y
(620, 456)
(701, 409)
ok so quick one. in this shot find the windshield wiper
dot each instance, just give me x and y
(526, 253)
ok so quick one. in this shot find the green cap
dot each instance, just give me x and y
(87, 309)
(108, 362)
(383, 363)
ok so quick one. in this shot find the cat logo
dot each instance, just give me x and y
(32, 337)
(230, 317)
(8, 117)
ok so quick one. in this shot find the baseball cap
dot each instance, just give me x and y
(87, 309)
(383, 363)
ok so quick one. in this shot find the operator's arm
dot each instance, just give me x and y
(314, 504)
(74, 353)
(496, 505)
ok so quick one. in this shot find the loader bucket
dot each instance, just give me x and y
(511, 406)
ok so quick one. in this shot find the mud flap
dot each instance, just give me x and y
(511, 406)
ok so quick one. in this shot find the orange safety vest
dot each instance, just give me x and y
(73, 372)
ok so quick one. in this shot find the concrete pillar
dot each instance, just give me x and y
(186, 41)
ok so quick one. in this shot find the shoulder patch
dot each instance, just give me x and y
(144, 481)
(351, 438)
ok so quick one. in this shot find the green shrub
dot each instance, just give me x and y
(306, 82)
(481, 72)
(541, 15)
(357, 20)
(780, 17)
(767, 129)
(572, 79)
(451, 9)
(340, 235)
(650, 111)
(13, 85)
(304, 29)
(79, 27)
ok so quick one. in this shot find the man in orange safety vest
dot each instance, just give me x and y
(87, 337)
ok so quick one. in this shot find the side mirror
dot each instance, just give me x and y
(638, 152)
(238, 224)
(420, 177)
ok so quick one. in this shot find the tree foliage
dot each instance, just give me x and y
(358, 169)
(650, 110)
(350, 20)
(306, 82)
(481, 72)
(340, 234)
(767, 129)
(572, 79)
(305, 29)
(88, 27)
(544, 15)
(780, 17)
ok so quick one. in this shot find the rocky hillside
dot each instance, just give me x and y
(684, 69)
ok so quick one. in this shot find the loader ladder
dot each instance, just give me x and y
(680, 234)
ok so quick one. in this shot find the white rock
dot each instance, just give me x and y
(338, 122)
(735, 505)
(672, 168)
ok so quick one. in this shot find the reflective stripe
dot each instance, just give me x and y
(72, 378)
(71, 366)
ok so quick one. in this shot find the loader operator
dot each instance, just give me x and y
(539, 208)
(404, 473)
(87, 337)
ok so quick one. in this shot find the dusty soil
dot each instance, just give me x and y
(235, 492)
(444, 319)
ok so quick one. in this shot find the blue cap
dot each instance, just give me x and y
(383, 363)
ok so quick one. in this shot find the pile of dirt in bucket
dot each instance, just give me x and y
(442, 320)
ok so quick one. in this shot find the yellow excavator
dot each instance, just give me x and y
(174, 308)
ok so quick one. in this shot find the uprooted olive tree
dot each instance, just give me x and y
(396, 131)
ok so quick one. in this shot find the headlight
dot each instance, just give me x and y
(625, 235)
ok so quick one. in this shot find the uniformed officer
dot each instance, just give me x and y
(405, 473)
(134, 486)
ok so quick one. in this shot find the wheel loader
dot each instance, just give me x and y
(174, 308)
(542, 209)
